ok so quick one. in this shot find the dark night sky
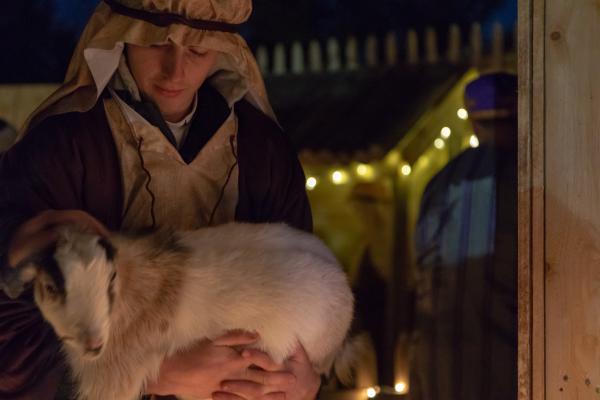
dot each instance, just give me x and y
(332, 17)
(43, 32)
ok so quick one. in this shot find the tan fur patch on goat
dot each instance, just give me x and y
(158, 296)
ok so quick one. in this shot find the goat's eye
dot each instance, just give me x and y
(50, 289)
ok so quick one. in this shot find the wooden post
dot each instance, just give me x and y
(297, 58)
(315, 60)
(476, 44)
(391, 49)
(431, 47)
(559, 218)
(572, 193)
(497, 46)
(333, 55)
(279, 60)
(262, 58)
(454, 44)
(412, 48)
(351, 54)
(371, 56)
(531, 201)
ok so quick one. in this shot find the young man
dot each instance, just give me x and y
(163, 121)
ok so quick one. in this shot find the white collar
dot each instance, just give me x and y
(188, 118)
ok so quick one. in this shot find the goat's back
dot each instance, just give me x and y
(280, 282)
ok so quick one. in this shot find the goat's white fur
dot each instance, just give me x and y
(269, 278)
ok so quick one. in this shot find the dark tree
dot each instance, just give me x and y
(35, 48)
(276, 20)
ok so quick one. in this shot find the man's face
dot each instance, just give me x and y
(170, 75)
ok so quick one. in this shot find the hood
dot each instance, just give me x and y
(206, 23)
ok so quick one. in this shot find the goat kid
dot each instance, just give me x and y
(121, 305)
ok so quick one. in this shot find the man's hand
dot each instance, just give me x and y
(41, 231)
(199, 371)
(295, 380)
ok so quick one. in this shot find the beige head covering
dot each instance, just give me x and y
(236, 73)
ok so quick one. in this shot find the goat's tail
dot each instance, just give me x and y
(355, 349)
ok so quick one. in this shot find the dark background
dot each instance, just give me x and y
(38, 36)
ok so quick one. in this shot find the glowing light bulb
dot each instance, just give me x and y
(445, 132)
(373, 391)
(473, 141)
(400, 387)
(439, 143)
(311, 183)
(365, 171)
(406, 170)
(462, 113)
(339, 177)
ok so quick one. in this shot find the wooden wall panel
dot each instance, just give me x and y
(531, 200)
(572, 199)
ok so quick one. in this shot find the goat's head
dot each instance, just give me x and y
(73, 288)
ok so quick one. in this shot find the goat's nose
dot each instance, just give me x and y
(93, 344)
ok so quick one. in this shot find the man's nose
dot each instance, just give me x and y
(173, 63)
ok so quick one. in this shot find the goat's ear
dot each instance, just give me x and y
(13, 281)
(108, 247)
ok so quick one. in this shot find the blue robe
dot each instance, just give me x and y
(466, 305)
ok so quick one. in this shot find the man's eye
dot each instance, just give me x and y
(199, 53)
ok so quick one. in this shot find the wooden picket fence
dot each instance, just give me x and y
(329, 57)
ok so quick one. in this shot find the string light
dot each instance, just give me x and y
(473, 141)
(339, 177)
(311, 183)
(439, 143)
(406, 170)
(400, 387)
(365, 171)
(445, 132)
(462, 113)
(373, 391)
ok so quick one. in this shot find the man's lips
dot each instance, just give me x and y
(168, 92)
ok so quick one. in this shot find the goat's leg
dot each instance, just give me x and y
(113, 380)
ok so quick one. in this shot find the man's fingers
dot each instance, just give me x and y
(278, 379)
(231, 396)
(262, 360)
(225, 396)
(300, 355)
(274, 396)
(236, 338)
(251, 390)
(245, 389)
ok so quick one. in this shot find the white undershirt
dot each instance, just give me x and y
(180, 129)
